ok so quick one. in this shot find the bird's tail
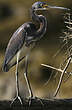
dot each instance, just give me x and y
(5, 67)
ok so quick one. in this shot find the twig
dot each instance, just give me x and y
(60, 70)
(53, 68)
(61, 77)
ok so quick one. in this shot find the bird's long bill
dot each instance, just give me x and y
(46, 7)
(56, 7)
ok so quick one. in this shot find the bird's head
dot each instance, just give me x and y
(44, 6)
(39, 5)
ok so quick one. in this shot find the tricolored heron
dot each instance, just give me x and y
(23, 38)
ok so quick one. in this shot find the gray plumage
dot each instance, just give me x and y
(17, 41)
(27, 33)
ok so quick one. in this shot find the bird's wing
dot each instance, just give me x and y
(14, 45)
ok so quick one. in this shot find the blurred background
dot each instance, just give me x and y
(13, 13)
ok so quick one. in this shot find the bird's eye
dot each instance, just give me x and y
(41, 4)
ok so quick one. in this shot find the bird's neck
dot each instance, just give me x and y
(43, 24)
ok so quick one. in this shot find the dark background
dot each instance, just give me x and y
(14, 13)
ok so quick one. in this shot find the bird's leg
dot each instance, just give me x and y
(27, 80)
(31, 97)
(17, 84)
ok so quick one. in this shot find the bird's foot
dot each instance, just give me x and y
(15, 99)
(40, 100)
(36, 99)
(30, 100)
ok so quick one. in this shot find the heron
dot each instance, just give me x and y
(22, 40)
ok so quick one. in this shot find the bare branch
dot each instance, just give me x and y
(61, 77)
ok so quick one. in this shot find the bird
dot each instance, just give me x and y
(23, 40)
